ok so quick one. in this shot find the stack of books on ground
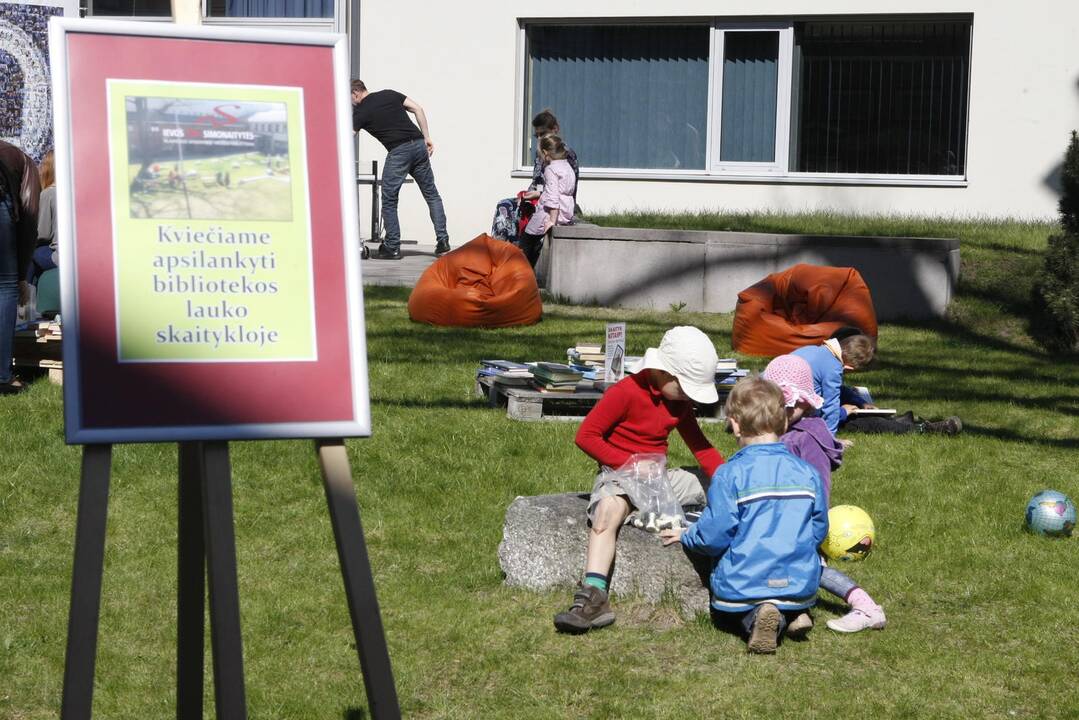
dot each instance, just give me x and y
(555, 377)
(505, 372)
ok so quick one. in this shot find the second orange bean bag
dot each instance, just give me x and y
(484, 283)
(802, 305)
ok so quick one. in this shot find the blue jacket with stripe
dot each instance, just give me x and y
(766, 517)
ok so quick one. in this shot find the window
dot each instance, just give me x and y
(270, 8)
(131, 8)
(884, 98)
(798, 99)
(626, 96)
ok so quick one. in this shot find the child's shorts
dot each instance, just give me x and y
(688, 484)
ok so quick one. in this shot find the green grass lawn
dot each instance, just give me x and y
(983, 621)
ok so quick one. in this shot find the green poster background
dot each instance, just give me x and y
(223, 272)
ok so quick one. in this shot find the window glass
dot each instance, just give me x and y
(132, 8)
(625, 96)
(880, 97)
(750, 86)
(270, 8)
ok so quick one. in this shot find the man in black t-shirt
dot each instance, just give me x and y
(384, 114)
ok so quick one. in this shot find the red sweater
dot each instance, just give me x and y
(634, 417)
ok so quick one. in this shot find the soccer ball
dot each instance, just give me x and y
(850, 533)
(1051, 513)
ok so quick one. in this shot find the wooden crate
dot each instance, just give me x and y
(525, 403)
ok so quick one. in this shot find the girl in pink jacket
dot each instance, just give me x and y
(556, 202)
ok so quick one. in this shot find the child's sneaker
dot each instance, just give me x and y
(765, 634)
(800, 626)
(858, 620)
(589, 610)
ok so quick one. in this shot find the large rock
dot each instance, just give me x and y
(543, 547)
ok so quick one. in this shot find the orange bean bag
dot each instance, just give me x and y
(484, 283)
(803, 305)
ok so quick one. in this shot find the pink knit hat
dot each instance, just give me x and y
(795, 378)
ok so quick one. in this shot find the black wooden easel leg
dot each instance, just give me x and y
(82, 622)
(224, 593)
(190, 585)
(359, 583)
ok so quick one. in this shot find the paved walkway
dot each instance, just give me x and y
(406, 271)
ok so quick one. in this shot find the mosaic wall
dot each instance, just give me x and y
(25, 90)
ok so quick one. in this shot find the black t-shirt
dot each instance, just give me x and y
(383, 115)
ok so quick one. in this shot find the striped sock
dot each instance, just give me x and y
(596, 580)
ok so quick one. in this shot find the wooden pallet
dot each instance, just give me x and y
(525, 403)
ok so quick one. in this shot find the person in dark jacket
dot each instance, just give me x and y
(766, 516)
(19, 191)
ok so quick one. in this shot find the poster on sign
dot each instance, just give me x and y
(209, 247)
(614, 359)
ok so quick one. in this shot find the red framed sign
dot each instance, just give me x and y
(209, 247)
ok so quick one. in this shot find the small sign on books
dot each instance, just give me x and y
(613, 363)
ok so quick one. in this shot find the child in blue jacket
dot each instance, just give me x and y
(766, 516)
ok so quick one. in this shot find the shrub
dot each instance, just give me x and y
(1056, 291)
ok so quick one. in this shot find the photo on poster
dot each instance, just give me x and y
(208, 159)
(211, 223)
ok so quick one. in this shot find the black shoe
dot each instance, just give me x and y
(442, 248)
(385, 253)
(948, 426)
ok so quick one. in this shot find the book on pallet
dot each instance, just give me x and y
(726, 365)
(555, 372)
(506, 366)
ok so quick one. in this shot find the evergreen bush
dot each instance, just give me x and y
(1056, 291)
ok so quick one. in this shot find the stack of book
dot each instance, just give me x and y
(505, 372)
(728, 373)
(555, 377)
(38, 344)
(586, 354)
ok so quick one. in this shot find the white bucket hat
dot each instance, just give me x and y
(690, 356)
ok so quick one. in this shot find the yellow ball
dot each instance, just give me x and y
(850, 533)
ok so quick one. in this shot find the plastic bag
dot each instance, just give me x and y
(644, 478)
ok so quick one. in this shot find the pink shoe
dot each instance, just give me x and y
(858, 620)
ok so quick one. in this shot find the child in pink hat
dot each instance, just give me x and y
(809, 438)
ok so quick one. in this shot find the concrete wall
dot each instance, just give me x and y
(460, 62)
(908, 277)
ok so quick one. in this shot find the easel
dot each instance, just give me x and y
(207, 549)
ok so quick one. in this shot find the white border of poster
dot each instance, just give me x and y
(360, 425)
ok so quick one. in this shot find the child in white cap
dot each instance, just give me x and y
(808, 438)
(635, 416)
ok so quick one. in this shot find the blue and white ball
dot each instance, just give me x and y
(1051, 513)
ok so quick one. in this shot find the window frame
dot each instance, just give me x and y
(337, 23)
(715, 170)
(780, 163)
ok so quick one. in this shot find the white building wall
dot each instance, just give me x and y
(460, 62)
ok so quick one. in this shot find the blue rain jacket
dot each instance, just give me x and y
(765, 519)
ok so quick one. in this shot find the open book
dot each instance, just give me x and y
(873, 412)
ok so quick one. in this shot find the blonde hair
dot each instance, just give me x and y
(553, 147)
(47, 171)
(857, 350)
(757, 405)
